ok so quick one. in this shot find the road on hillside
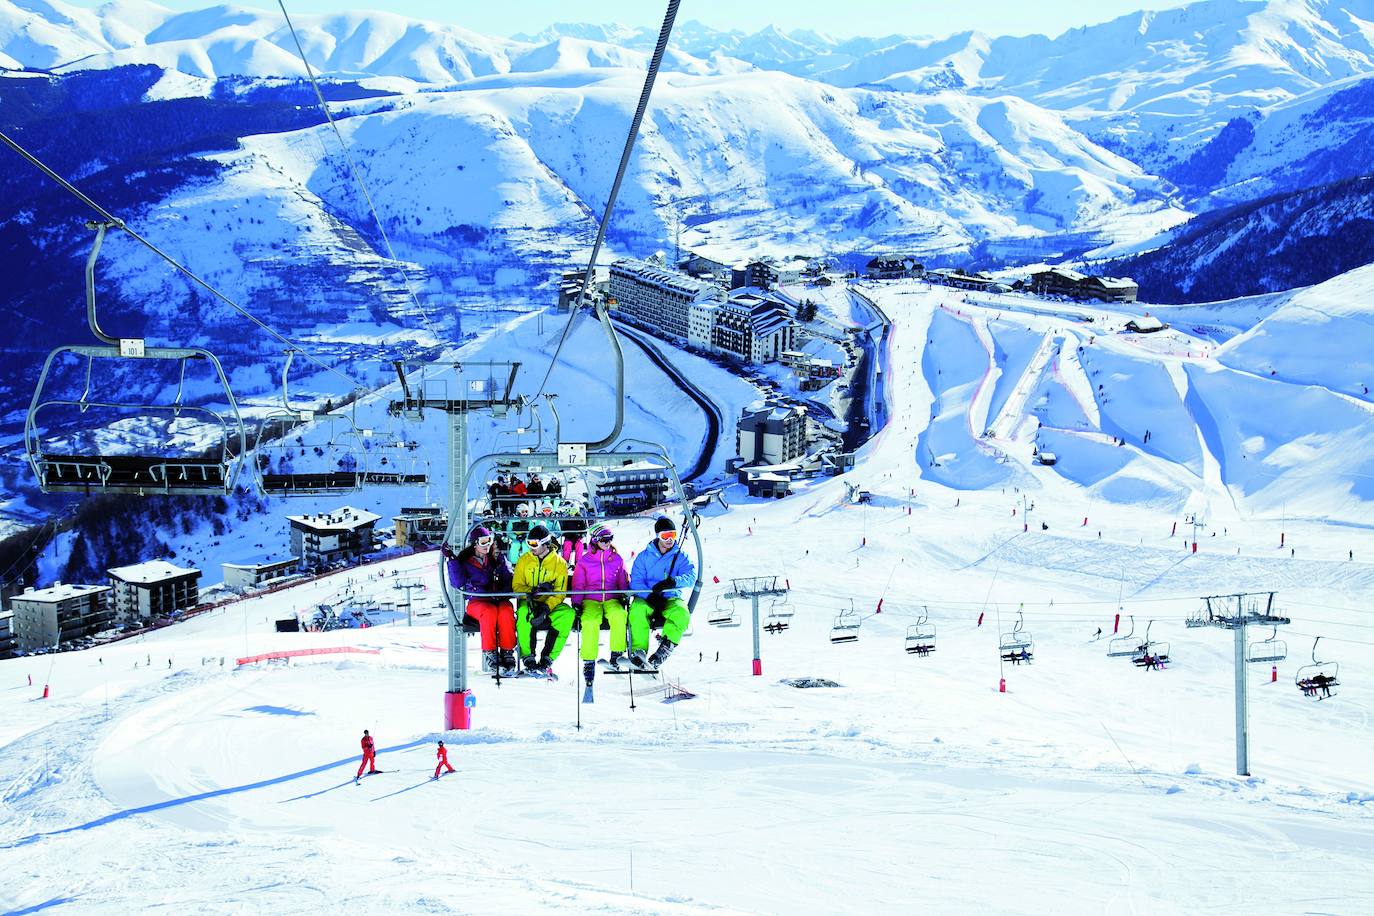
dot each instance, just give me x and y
(866, 411)
(714, 422)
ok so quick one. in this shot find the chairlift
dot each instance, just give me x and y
(1272, 649)
(339, 466)
(1124, 646)
(723, 614)
(920, 636)
(846, 626)
(394, 461)
(1017, 645)
(1150, 654)
(1317, 679)
(72, 460)
(780, 609)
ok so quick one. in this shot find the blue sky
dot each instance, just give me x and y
(841, 18)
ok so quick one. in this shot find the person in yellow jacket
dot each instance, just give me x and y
(541, 576)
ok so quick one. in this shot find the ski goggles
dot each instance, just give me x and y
(485, 540)
(532, 543)
(605, 537)
(667, 536)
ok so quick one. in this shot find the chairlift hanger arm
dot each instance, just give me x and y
(116, 221)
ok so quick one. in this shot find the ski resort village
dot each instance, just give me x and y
(455, 461)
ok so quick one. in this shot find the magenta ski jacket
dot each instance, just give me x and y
(601, 569)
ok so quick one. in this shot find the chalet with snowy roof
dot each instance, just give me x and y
(570, 287)
(1146, 324)
(326, 538)
(758, 274)
(1110, 289)
(258, 571)
(420, 526)
(752, 327)
(1057, 281)
(890, 268)
(58, 614)
(153, 589)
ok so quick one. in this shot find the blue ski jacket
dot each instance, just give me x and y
(651, 567)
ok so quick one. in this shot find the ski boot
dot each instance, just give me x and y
(489, 662)
(507, 662)
(589, 672)
(639, 658)
(530, 662)
(665, 649)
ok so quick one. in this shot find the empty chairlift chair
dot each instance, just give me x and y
(112, 443)
(846, 626)
(1124, 646)
(288, 465)
(1271, 650)
(1317, 679)
(723, 614)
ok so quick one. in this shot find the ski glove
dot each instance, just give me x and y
(664, 584)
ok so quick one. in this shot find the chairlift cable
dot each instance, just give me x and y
(116, 221)
(669, 16)
(357, 176)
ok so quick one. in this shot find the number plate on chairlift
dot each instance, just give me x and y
(574, 453)
(131, 346)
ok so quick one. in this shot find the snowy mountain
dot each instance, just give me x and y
(1279, 242)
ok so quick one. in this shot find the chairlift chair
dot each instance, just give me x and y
(1124, 646)
(1317, 679)
(1272, 649)
(1150, 653)
(64, 467)
(781, 609)
(340, 468)
(920, 636)
(846, 626)
(1017, 645)
(723, 614)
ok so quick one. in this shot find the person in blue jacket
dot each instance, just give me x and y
(662, 572)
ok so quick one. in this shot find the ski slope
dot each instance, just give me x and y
(155, 777)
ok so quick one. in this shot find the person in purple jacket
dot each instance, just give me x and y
(482, 573)
(601, 571)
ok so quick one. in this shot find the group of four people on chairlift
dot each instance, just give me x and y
(551, 598)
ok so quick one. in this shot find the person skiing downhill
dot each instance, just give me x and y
(661, 572)
(601, 572)
(442, 756)
(483, 574)
(369, 757)
(542, 576)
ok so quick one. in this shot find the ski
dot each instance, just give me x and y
(587, 695)
(648, 672)
(606, 665)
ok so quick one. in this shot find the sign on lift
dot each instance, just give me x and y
(131, 346)
(572, 453)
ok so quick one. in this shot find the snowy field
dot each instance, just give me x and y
(1089, 786)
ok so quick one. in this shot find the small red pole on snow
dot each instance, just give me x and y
(1194, 546)
(1116, 625)
(716, 579)
(751, 529)
(1085, 521)
(45, 691)
(1002, 685)
(1273, 674)
(880, 607)
(980, 618)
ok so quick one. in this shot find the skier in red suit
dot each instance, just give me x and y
(442, 755)
(369, 757)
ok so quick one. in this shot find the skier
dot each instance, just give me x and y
(442, 755)
(369, 757)
(598, 584)
(661, 572)
(574, 529)
(542, 576)
(480, 571)
(498, 493)
(516, 529)
(547, 519)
